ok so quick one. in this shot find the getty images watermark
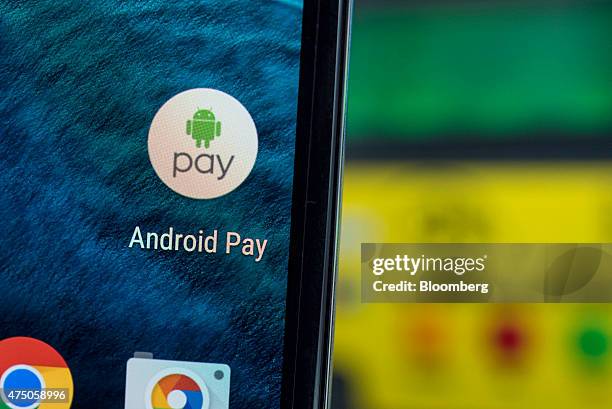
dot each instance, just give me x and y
(486, 272)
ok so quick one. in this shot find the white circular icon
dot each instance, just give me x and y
(177, 399)
(203, 143)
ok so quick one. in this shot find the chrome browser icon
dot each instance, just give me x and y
(33, 375)
(160, 384)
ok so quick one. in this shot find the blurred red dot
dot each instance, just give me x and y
(509, 338)
(510, 343)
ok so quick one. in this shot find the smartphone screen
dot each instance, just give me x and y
(146, 175)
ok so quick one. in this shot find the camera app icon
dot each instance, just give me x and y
(159, 384)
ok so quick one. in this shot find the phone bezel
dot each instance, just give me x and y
(316, 203)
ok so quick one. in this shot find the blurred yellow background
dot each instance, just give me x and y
(476, 121)
(472, 356)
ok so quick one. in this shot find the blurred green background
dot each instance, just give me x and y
(481, 70)
(476, 121)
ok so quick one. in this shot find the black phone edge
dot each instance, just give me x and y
(316, 204)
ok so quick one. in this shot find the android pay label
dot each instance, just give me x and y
(203, 143)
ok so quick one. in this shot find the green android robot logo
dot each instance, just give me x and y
(203, 127)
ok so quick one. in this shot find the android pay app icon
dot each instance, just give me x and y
(203, 143)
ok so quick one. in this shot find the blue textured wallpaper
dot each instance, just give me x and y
(80, 82)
